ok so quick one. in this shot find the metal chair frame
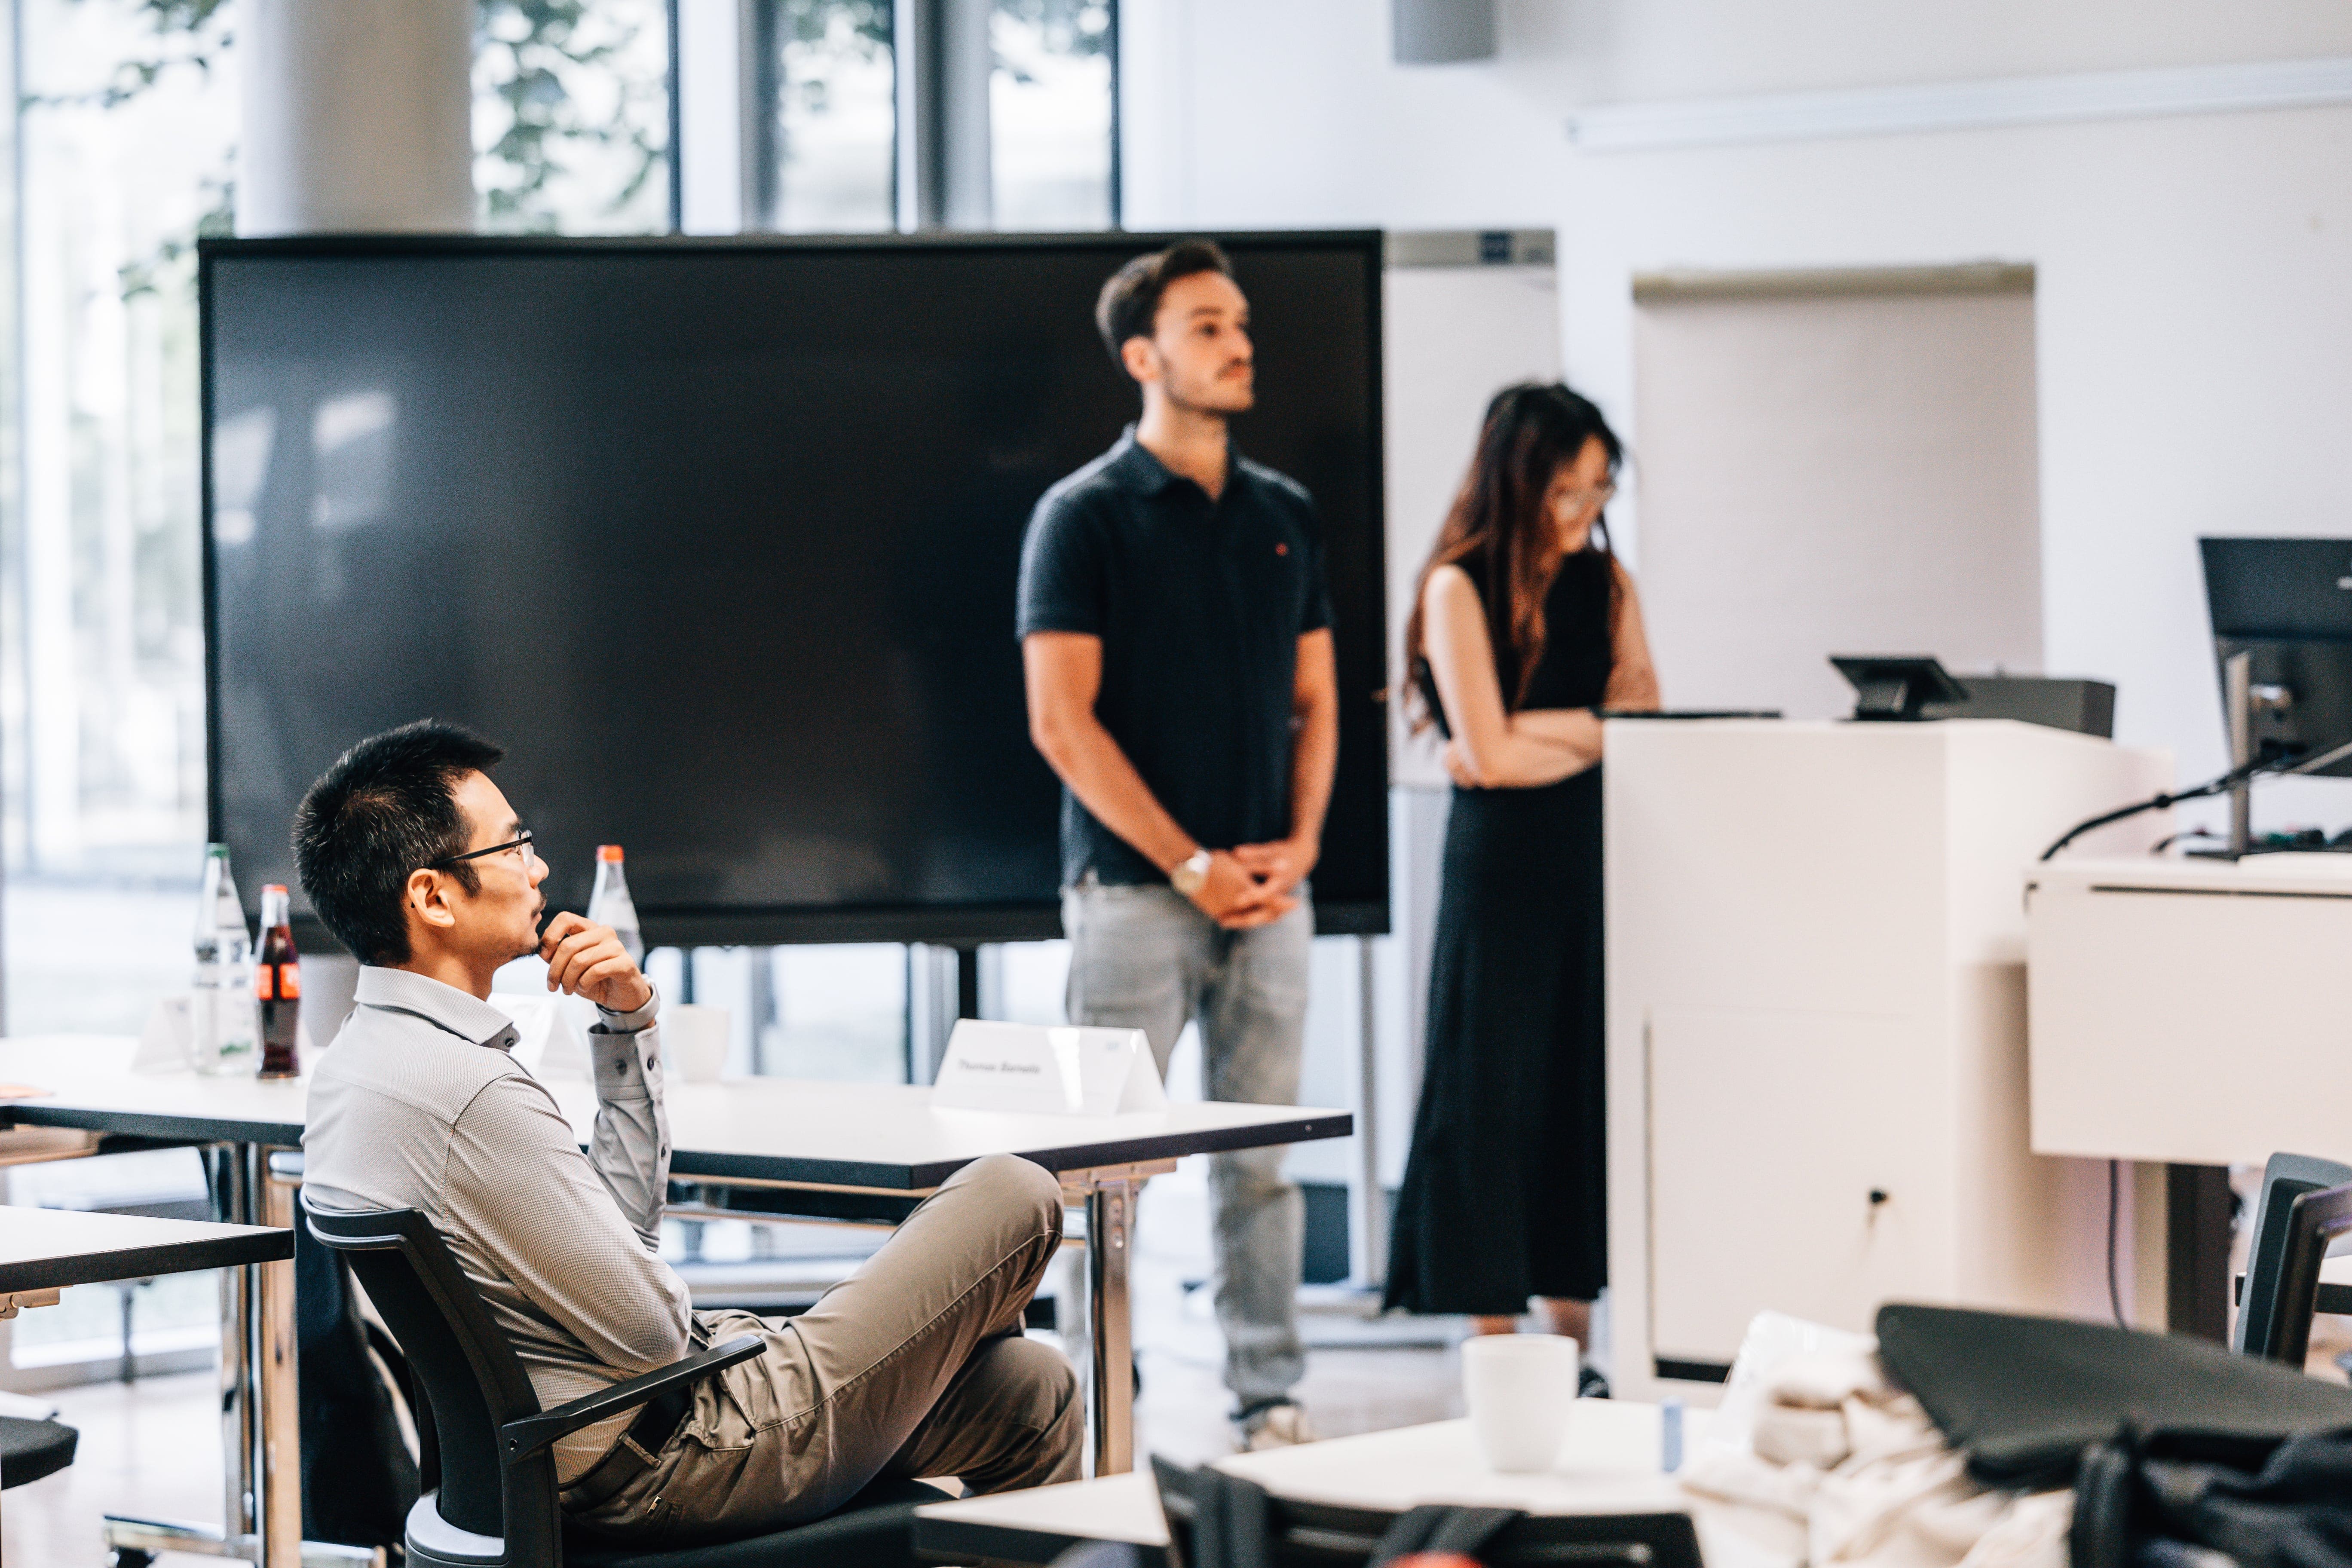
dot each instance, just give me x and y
(2314, 1220)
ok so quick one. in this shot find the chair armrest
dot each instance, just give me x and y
(522, 1440)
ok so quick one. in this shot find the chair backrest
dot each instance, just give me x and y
(2314, 1220)
(2286, 1178)
(472, 1380)
(1217, 1521)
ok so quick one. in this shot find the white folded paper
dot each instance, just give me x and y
(547, 1047)
(1056, 1069)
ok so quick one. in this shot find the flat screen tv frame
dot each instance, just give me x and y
(1362, 671)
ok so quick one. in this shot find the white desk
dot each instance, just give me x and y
(1609, 1464)
(765, 1132)
(2191, 1012)
(2194, 1014)
(42, 1251)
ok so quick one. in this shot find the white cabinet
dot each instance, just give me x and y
(1817, 1053)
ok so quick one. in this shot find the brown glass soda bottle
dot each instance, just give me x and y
(278, 982)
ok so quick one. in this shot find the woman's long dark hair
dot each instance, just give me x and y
(1530, 431)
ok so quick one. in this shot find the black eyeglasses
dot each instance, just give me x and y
(520, 845)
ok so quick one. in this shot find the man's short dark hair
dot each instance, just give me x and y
(386, 808)
(1131, 301)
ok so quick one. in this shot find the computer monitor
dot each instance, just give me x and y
(2287, 603)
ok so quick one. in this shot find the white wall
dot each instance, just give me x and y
(2193, 312)
(1836, 471)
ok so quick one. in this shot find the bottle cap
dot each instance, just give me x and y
(268, 888)
(609, 852)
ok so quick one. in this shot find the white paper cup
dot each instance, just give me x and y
(695, 1038)
(1519, 1388)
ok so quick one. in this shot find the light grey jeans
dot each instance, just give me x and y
(1147, 958)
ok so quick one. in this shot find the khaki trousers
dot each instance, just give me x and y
(913, 1367)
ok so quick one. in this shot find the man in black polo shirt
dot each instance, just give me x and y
(1176, 635)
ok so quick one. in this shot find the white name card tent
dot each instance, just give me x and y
(1055, 1070)
(551, 1043)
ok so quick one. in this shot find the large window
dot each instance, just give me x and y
(1051, 126)
(126, 127)
(827, 143)
(571, 116)
(826, 151)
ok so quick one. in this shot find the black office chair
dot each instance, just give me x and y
(487, 1460)
(2282, 1287)
(31, 1449)
(1214, 1517)
(2286, 1178)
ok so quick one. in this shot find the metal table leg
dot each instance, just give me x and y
(278, 1403)
(1110, 1218)
(261, 1438)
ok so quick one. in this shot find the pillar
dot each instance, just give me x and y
(358, 117)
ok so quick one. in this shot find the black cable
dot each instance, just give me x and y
(2221, 785)
(2115, 1208)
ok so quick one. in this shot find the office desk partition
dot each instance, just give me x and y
(774, 1133)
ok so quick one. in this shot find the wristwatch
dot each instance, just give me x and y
(1188, 876)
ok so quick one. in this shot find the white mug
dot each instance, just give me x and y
(1519, 1388)
(695, 1038)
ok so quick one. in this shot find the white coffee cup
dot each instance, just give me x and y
(695, 1038)
(1519, 1388)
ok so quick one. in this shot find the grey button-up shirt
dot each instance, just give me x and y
(418, 1104)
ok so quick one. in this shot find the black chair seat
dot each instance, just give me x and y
(31, 1449)
(876, 1529)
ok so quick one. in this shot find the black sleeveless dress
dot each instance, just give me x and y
(1504, 1194)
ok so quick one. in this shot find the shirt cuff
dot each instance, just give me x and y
(611, 1023)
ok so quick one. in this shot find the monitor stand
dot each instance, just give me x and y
(2238, 700)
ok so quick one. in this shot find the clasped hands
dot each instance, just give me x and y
(1253, 885)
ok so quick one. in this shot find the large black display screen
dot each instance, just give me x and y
(719, 540)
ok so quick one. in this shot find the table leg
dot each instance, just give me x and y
(233, 1204)
(279, 1506)
(2197, 1251)
(1111, 1216)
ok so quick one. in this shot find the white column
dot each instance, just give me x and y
(358, 116)
(716, 166)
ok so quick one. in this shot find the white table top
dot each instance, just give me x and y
(1609, 1464)
(43, 1250)
(768, 1129)
(2324, 875)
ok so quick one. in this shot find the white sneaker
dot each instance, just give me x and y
(1283, 1425)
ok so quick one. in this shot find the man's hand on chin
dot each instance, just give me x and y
(585, 959)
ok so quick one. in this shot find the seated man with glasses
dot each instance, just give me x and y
(914, 1366)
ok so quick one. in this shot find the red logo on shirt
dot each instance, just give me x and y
(1281, 550)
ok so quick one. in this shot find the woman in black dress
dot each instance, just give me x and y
(1525, 624)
